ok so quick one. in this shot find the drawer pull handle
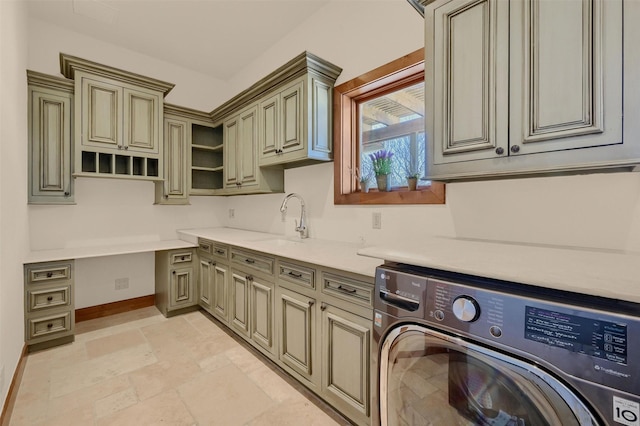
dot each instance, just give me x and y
(220, 251)
(49, 274)
(250, 261)
(249, 278)
(295, 275)
(346, 289)
(311, 303)
(50, 325)
(49, 299)
(323, 306)
(204, 247)
(182, 258)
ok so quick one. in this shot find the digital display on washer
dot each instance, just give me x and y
(601, 339)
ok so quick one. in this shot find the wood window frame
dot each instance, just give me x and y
(347, 96)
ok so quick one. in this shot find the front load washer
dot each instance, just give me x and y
(454, 349)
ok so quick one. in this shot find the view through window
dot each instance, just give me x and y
(394, 122)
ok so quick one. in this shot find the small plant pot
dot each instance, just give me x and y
(364, 185)
(412, 183)
(383, 183)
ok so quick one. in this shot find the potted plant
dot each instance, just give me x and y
(381, 161)
(362, 178)
(412, 180)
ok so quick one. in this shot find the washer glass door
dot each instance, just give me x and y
(430, 378)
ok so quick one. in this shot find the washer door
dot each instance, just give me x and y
(430, 378)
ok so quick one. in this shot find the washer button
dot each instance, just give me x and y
(439, 315)
(495, 331)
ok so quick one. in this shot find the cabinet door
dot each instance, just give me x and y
(292, 118)
(205, 283)
(297, 327)
(231, 158)
(269, 127)
(262, 314)
(346, 346)
(50, 147)
(141, 118)
(102, 104)
(562, 60)
(247, 148)
(468, 77)
(176, 134)
(240, 292)
(181, 291)
(220, 293)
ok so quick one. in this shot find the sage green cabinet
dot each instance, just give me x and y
(546, 94)
(118, 127)
(295, 122)
(49, 311)
(239, 312)
(214, 288)
(297, 328)
(50, 134)
(262, 314)
(346, 346)
(174, 189)
(175, 282)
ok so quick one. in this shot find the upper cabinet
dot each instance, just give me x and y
(50, 124)
(291, 123)
(528, 87)
(119, 121)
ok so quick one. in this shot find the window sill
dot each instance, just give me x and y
(434, 194)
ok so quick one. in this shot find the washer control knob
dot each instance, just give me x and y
(466, 309)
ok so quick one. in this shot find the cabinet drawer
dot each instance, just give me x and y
(178, 258)
(50, 298)
(252, 260)
(49, 273)
(297, 274)
(205, 246)
(220, 251)
(50, 325)
(348, 289)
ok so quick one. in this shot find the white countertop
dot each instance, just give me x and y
(105, 250)
(332, 254)
(600, 273)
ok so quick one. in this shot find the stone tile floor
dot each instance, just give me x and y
(139, 368)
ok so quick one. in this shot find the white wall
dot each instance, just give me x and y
(591, 211)
(14, 233)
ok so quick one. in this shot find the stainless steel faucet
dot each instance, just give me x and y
(302, 228)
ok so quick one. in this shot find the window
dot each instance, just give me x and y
(383, 110)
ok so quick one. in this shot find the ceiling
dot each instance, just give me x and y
(215, 37)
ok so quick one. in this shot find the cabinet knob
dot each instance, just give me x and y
(515, 149)
(49, 299)
(126, 148)
(249, 278)
(50, 325)
(182, 258)
(173, 272)
(323, 306)
(66, 193)
(499, 150)
(311, 303)
(49, 274)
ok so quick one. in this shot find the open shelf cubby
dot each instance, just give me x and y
(116, 165)
(206, 157)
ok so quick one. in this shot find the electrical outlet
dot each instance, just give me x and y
(232, 213)
(122, 283)
(376, 219)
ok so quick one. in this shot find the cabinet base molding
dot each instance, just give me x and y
(7, 408)
(51, 343)
(113, 308)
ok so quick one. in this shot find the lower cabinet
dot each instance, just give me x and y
(297, 329)
(346, 346)
(175, 281)
(49, 304)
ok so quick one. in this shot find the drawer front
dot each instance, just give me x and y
(297, 274)
(253, 261)
(50, 298)
(181, 257)
(220, 251)
(49, 273)
(348, 289)
(50, 325)
(205, 246)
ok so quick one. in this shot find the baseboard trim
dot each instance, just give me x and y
(113, 308)
(7, 408)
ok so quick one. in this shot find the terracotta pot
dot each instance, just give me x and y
(412, 183)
